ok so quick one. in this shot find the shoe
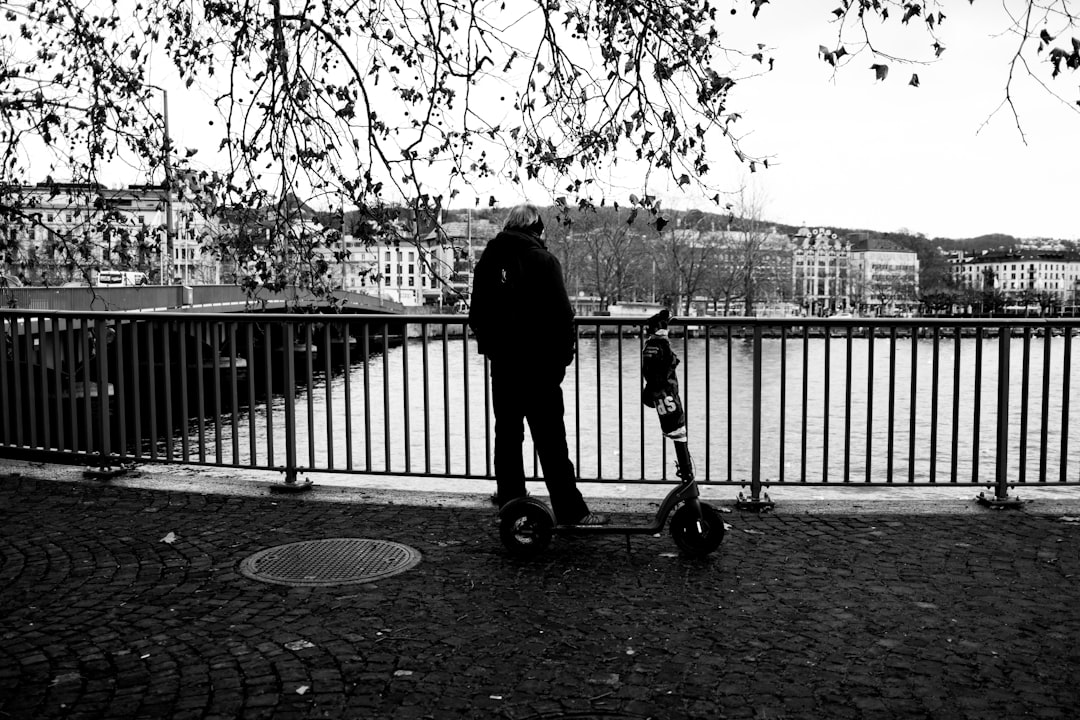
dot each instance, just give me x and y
(594, 519)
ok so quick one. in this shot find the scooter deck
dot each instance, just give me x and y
(608, 529)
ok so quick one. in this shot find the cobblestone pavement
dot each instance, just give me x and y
(122, 602)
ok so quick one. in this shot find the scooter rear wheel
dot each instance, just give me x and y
(525, 527)
(693, 539)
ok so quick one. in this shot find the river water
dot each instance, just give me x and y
(830, 411)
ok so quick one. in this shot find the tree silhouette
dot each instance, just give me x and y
(403, 103)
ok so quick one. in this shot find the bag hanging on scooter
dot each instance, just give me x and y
(661, 390)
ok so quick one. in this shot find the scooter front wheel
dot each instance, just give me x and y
(525, 527)
(697, 536)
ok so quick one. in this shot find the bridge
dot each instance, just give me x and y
(181, 298)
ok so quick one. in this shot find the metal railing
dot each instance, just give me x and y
(780, 401)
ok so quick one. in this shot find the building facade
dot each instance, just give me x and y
(883, 278)
(820, 271)
(130, 229)
(1025, 276)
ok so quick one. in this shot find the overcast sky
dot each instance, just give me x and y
(850, 151)
(855, 152)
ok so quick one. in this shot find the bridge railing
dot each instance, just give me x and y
(779, 401)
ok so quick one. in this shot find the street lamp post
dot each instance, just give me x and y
(170, 231)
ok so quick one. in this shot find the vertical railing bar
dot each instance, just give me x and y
(912, 404)
(289, 370)
(599, 410)
(328, 351)
(755, 429)
(1044, 432)
(849, 351)
(954, 469)
(1025, 389)
(1001, 451)
(825, 406)
(268, 363)
(58, 389)
(641, 409)
(805, 400)
(405, 395)
(891, 442)
(488, 434)
(619, 415)
(425, 366)
(577, 396)
(367, 397)
(213, 328)
(977, 411)
(31, 389)
(121, 390)
(167, 386)
(1066, 364)
(936, 389)
(136, 388)
(708, 403)
(104, 432)
(185, 450)
(201, 330)
(5, 334)
(88, 418)
(446, 401)
(74, 353)
(43, 325)
(870, 362)
(386, 396)
(249, 346)
(71, 366)
(17, 325)
(347, 338)
(234, 393)
(730, 400)
(31, 385)
(309, 372)
(782, 449)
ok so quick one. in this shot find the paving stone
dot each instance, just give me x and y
(861, 615)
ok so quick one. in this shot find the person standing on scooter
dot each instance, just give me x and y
(523, 323)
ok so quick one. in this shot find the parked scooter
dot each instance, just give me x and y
(526, 524)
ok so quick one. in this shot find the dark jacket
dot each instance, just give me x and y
(519, 311)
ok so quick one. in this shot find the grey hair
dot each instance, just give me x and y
(522, 216)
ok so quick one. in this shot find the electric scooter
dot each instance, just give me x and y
(526, 524)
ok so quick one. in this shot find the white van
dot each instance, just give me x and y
(121, 278)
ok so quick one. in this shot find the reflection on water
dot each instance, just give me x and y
(830, 410)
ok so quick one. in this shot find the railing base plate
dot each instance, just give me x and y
(762, 504)
(106, 472)
(292, 487)
(999, 503)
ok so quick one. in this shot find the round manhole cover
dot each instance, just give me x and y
(335, 561)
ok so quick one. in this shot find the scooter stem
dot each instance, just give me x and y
(684, 465)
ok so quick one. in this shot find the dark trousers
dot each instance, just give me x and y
(537, 398)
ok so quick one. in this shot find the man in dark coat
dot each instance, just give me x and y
(523, 322)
